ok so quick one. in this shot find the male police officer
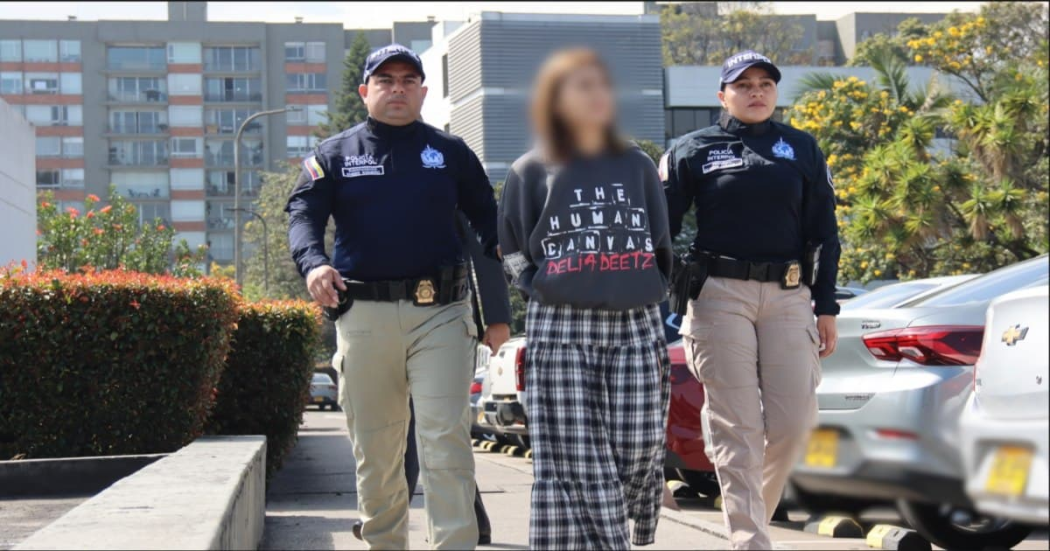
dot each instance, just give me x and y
(393, 185)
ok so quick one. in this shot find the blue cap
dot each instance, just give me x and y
(737, 63)
(391, 52)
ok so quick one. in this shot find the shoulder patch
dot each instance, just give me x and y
(313, 168)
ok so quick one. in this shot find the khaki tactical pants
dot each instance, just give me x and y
(387, 350)
(755, 348)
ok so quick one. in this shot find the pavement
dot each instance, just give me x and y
(20, 517)
(312, 501)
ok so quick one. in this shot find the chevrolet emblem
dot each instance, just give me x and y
(425, 292)
(1014, 334)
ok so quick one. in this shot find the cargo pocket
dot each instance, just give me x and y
(814, 336)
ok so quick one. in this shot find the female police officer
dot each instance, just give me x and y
(766, 245)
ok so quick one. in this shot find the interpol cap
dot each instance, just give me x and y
(388, 53)
(737, 63)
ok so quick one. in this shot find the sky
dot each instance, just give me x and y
(367, 15)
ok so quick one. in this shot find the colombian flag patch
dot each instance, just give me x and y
(313, 167)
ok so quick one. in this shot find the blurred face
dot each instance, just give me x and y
(585, 101)
(752, 97)
(394, 93)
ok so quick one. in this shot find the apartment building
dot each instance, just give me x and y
(17, 188)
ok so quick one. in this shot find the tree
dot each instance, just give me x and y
(705, 33)
(109, 238)
(913, 207)
(349, 109)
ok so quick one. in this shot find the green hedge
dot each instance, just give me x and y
(266, 385)
(108, 363)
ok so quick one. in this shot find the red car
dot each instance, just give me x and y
(685, 438)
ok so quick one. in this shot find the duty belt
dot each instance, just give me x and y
(789, 274)
(448, 285)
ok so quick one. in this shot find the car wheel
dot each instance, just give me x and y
(521, 440)
(704, 482)
(954, 527)
(817, 504)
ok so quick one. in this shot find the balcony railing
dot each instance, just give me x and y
(155, 193)
(253, 127)
(138, 160)
(220, 223)
(142, 96)
(248, 158)
(233, 96)
(247, 190)
(138, 128)
(224, 67)
(136, 65)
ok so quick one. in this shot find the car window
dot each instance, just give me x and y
(885, 297)
(987, 287)
(322, 379)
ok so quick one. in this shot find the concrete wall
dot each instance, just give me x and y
(17, 188)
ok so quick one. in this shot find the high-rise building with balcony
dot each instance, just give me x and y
(152, 107)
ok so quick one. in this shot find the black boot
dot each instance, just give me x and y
(484, 527)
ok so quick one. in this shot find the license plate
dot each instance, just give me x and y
(319, 398)
(1009, 474)
(823, 448)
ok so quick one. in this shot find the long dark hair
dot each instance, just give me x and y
(554, 134)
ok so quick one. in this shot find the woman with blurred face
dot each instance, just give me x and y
(583, 229)
(766, 248)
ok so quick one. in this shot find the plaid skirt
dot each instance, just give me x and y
(598, 390)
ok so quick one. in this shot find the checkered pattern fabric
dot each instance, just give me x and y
(598, 391)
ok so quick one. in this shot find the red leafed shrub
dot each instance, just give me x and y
(112, 362)
(266, 384)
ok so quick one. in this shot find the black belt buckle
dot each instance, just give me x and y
(425, 293)
(792, 276)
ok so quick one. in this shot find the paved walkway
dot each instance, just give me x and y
(311, 503)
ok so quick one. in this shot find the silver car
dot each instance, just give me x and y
(890, 401)
(324, 392)
(1005, 427)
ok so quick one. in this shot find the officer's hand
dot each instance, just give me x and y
(495, 335)
(829, 335)
(322, 282)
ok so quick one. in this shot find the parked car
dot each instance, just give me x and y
(894, 294)
(324, 392)
(844, 294)
(1006, 423)
(501, 406)
(890, 402)
(685, 437)
(481, 370)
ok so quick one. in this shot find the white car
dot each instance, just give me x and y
(1005, 424)
(501, 408)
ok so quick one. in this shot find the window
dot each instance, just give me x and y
(11, 50)
(297, 116)
(150, 213)
(48, 178)
(40, 51)
(186, 115)
(988, 286)
(10, 83)
(152, 58)
(184, 52)
(138, 122)
(186, 148)
(294, 51)
(73, 177)
(220, 152)
(315, 114)
(227, 121)
(186, 211)
(70, 51)
(73, 147)
(220, 245)
(307, 82)
(48, 146)
(42, 83)
(55, 115)
(180, 84)
(70, 83)
(221, 183)
(232, 89)
(315, 52)
(141, 185)
(297, 146)
(187, 178)
(144, 89)
(138, 153)
(231, 58)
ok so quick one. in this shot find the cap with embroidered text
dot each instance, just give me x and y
(737, 63)
(390, 53)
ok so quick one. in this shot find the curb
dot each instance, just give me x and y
(887, 536)
(208, 495)
(834, 527)
(68, 475)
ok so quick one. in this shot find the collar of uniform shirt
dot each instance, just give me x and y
(383, 129)
(734, 125)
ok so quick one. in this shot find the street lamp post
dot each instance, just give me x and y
(238, 273)
(266, 248)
